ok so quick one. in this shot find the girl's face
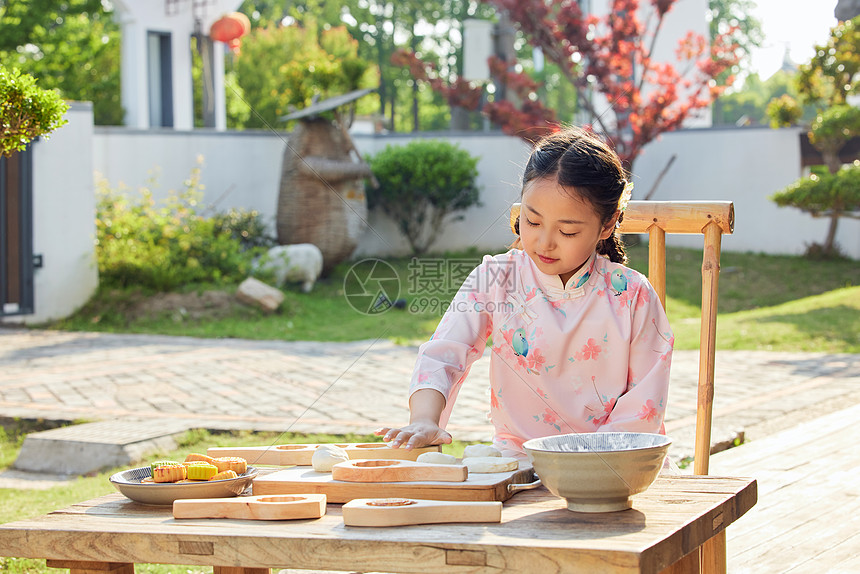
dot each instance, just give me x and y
(558, 230)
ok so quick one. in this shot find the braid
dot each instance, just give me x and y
(613, 248)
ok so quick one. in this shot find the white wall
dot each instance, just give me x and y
(239, 169)
(746, 166)
(64, 208)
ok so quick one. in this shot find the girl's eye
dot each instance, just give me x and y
(530, 222)
(569, 234)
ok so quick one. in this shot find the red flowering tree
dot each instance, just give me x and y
(611, 55)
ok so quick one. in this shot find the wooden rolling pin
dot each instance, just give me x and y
(405, 511)
(280, 507)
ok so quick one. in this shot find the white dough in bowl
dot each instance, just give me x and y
(437, 458)
(326, 456)
(480, 450)
(482, 464)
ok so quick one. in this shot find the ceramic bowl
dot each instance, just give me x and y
(128, 482)
(598, 472)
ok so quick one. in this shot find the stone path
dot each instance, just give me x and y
(358, 386)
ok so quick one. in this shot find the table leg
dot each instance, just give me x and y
(689, 564)
(81, 567)
(714, 554)
(239, 570)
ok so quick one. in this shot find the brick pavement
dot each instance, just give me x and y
(357, 386)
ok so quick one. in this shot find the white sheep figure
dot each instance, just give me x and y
(299, 262)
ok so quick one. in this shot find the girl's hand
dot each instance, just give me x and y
(415, 435)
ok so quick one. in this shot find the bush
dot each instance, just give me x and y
(784, 111)
(246, 227)
(422, 183)
(163, 246)
(825, 194)
(26, 111)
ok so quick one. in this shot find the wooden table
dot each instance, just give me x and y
(537, 534)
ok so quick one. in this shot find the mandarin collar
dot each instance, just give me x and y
(552, 286)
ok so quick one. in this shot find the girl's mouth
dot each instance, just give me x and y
(547, 260)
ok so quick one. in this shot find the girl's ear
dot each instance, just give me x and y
(515, 218)
(610, 226)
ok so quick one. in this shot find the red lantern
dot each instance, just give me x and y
(230, 28)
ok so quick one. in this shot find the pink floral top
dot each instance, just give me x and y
(592, 355)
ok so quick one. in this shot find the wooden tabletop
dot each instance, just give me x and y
(537, 534)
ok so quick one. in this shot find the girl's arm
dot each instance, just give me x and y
(444, 361)
(425, 408)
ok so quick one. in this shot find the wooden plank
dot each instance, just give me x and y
(92, 567)
(301, 454)
(252, 507)
(809, 492)
(377, 471)
(404, 511)
(477, 487)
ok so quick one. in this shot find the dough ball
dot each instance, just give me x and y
(480, 450)
(326, 456)
(489, 464)
(437, 458)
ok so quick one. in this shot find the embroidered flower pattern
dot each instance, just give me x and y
(590, 350)
(649, 411)
(601, 418)
(548, 417)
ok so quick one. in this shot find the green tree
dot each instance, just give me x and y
(283, 68)
(830, 195)
(71, 46)
(831, 75)
(749, 103)
(26, 111)
(430, 27)
(732, 17)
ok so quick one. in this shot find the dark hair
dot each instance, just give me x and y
(579, 160)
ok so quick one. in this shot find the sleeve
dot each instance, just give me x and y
(642, 407)
(444, 361)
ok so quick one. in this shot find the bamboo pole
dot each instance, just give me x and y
(657, 261)
(707, 347)
(678, 216)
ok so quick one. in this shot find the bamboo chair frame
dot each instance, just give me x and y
(713, 220)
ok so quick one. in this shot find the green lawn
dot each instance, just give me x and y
(766, 302)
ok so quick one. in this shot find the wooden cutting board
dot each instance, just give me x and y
(300, 454)
(281, 507)
(404, 511)
(476, 487)
(397, 471)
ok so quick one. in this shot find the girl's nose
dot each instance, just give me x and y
(547, 239)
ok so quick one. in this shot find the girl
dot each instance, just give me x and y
(580, 343)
